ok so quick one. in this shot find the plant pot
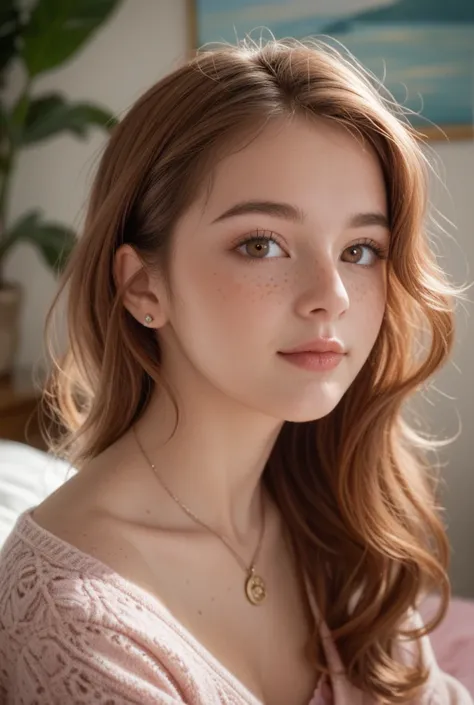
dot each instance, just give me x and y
(10, 305)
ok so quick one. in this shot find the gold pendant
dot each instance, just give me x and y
(255, 588)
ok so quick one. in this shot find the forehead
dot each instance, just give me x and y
(315, 164)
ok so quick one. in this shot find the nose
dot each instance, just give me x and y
(323, 292)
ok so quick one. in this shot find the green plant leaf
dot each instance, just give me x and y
(19, 229)
(3, 126)
(51, 114)
(16, 118)
(9, 32)
(54, 241)
(58, 28)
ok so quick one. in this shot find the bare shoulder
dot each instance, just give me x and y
(82, 510)
(72, 514)
(109, 510)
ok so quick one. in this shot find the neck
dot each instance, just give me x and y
(213, 462)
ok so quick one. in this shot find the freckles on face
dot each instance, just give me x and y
(364, 291)
(367, 297)
(239, 307)
(271, 289)
(251, 288)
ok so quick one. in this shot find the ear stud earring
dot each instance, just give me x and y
(148, 319)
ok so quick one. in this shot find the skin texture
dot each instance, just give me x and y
(233, 307)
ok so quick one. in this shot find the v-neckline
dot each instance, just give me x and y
(101, 570)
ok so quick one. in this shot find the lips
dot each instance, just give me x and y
(320, 345)
(314, 361)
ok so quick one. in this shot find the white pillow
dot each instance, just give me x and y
(27, 477)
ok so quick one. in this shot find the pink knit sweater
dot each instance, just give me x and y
(74, 632)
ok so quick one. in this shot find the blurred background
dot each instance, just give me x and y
(78, 74)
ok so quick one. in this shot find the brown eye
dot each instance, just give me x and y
(354, 253)
(363, 254)
(258, 248)
(261, 247)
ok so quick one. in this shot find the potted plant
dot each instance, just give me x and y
(41, 37)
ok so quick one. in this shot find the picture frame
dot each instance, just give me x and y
(423, 50)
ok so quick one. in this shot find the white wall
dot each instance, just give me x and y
(447, 415)
(140, 44)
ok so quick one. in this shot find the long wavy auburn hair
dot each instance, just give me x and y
(355, 488)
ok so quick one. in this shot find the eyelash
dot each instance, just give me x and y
(379, 251)
(259, 236)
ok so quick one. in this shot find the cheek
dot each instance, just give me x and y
(250, 291)
(234, 313)
(232, 310)
(368, 299)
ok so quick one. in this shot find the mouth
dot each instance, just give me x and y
(313, 360)
(318, 345)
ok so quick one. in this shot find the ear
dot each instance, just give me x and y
(142, 295)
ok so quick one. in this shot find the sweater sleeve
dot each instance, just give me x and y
(95, 664)
(441, 688)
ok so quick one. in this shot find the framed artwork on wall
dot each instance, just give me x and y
(423, 50)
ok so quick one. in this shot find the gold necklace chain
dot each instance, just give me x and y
(255, 589)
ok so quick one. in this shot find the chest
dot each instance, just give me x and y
(262, 646)
(202, 584)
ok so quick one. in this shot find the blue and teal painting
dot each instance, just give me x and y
(423, 50)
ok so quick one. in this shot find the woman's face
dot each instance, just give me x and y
(240, 299)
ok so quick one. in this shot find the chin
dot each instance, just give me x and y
(305, 417)
(312, 409)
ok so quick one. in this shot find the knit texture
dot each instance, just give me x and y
(74, 632)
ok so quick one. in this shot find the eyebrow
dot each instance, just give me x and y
(295, 214)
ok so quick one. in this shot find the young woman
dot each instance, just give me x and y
(253, 520)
